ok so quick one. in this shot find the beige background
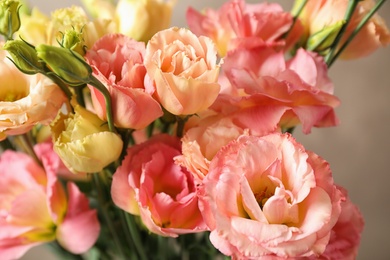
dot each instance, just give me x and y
(358, 149)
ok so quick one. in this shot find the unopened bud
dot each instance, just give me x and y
(73, 40)
(9, 17)
(23, 56)
(323, 39)
(65, 63)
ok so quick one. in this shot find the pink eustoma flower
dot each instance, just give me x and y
(150, 184)
(268, 197)
(346, 234)
(201, 143)
(117, 61)
(34, 209)
(240, 25)
(274, 93)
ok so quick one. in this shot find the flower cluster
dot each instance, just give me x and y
(122, 136)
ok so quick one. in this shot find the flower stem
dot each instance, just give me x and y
(80, 95)
(180, 125)
(59, 83)
(297, 8)
(107, 97)
(329, 59)
(103, 206)
(357, 30)
(295, 12)
(7, 145)
(135, 235)
(25, 144)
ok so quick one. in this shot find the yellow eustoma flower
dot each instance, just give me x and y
(83, 141)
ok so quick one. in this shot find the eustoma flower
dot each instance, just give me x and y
(183, 69)
(240, 25)
(267, 196)
(150, 184)
(277, 93)
(117, 61)
(25, 100)
(84, 142)
(34, 209)
(202, 142)
(346, 234)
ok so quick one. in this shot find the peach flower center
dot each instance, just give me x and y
(262, 196)
(15, 91)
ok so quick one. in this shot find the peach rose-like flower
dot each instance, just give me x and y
(34, 209)
(150, 184)
(319, 14)
(275, 93)
(183, 69)
(117, 61)
(25, 100)
(267, 196)
(240, 25)
(201, 143)
(84, 142)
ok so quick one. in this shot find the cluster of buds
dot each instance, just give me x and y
(63, 64)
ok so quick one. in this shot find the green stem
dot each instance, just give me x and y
(103, 206)
(107, 97)
(348, 15)
(59, 83)
(127, 138)
(357, 30)
(80, 95)
(25, 144)
(134, 232)
(127, 232)
(150, 129)
(295, 12)
(180, 125)
(7, 145)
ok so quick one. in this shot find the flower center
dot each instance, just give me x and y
(14, 91)
(262, 196)
(11, 97)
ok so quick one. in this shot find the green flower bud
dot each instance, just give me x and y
(73, 40)
(323, 39)
(66, 64)
(23, 56)
(9, 17)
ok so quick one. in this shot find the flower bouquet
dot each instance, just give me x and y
(125, 138)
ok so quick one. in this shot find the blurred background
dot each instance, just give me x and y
(358, 150)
